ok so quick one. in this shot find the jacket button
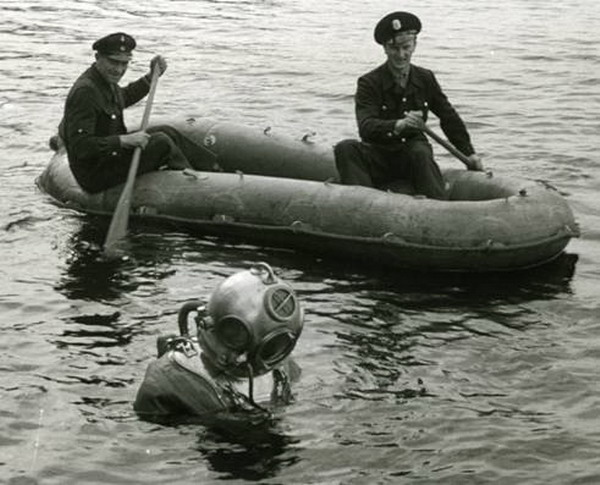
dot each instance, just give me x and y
(114, 154)
(384, 107)
(113, 116)
(403, 140)
(389, 134)
(404, 100)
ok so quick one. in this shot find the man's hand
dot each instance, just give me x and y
(413, 119)
(160, 62)
(475, 163)
(135, 139)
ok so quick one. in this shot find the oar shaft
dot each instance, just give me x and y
(120, 219)
(150, 100)
(448, 146)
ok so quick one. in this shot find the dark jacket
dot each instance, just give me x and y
(93, 121)
(379, 103)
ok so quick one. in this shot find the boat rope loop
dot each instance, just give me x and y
(572, 231)
(307, 136)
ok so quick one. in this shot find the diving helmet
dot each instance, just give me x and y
(251, 323)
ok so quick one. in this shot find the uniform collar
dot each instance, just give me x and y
(414, 77)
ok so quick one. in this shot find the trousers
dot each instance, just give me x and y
(360, 163)
(166, 148)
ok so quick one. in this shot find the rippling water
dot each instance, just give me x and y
(408, 378)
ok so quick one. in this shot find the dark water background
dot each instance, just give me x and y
(408, 378)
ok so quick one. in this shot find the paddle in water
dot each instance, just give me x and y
(118, 225)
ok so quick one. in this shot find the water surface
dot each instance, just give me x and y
(407, 377)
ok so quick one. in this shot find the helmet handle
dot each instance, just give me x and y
(262, 267)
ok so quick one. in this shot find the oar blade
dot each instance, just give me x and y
(120, 219)
(118, 227)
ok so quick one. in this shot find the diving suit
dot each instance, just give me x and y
(248, 329)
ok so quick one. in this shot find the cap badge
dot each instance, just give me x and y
(396, 24)
(122, 38)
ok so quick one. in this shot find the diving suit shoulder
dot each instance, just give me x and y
(176, 383)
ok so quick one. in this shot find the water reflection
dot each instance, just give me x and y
(90, 275)
(425, 290)
(248, 451)
(394, 326)
(96, 331)
(238, 445)
(378, 360)
(103, 286)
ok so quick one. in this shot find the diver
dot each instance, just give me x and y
(248, 329)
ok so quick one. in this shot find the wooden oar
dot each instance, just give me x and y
(118, 225)
(448, 146)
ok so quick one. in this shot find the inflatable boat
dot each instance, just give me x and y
(281, 192)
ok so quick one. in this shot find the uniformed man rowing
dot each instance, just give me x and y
(392, 102)
(99, 148)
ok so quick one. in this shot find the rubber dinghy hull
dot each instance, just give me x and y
(490, 224)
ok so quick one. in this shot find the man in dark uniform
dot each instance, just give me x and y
(392, 103)
(93, 130)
